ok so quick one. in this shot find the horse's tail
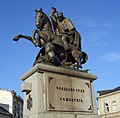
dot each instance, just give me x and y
(84, 58)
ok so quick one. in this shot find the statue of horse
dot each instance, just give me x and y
(52, 50)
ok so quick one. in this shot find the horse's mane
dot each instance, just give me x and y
(46, 19)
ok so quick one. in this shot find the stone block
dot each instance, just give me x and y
(56, 92)
(26, 87)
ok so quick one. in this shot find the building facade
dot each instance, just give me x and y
(12, 103)
(4, 113)
(109, 103)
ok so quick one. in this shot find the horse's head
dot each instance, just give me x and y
(41, 19)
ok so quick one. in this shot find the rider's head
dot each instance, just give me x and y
(60, 16)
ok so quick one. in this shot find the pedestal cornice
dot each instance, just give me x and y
(60, 70)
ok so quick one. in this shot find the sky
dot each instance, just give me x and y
(98, 22)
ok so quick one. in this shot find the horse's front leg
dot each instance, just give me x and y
(41, 38)
(16, 38)
(34, 38)
(34, 33)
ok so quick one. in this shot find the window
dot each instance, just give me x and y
(106, 107)
(114, 106)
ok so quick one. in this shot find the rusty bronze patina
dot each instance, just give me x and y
(61, 46)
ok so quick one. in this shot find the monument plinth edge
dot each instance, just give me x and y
(60, 70)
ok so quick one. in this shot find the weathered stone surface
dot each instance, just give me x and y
(59, 70)
(54, 94)
(26, 87)
(67, 93)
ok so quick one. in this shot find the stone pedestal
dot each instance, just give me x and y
(57, 92)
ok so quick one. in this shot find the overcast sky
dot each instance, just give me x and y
(98, 22)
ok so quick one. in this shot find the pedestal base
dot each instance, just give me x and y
(56, 92)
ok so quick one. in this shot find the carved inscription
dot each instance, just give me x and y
(71, 99)
(68, 94)
(70, 90)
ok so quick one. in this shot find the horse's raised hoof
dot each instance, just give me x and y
(16, 38)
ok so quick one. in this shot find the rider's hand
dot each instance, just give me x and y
(54, 9)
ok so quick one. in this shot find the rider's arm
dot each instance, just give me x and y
(52, 15)
(54, 20)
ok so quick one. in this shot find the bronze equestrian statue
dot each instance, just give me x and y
(61, 47)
